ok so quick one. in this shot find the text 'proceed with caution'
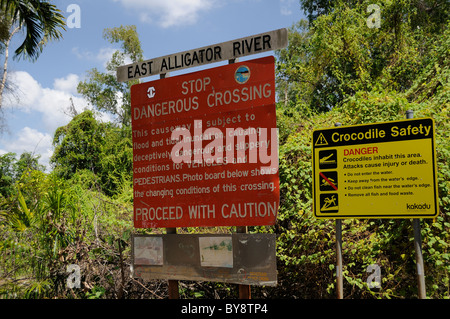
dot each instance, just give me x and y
(385, 170)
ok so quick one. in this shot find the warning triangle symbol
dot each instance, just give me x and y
(321, 141)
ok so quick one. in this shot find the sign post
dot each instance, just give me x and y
(174, 290)
(419, 259)
(339, 277)
(418, 245)
(244, 290)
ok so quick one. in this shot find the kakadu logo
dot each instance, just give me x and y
(418, 206)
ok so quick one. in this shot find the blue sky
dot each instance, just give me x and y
(43, 89)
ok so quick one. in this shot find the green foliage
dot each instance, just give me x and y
(101, 89)
(306, 245)
(51, 223)
(364, 76)
(337, 55)
(101, 148)
(12, 170)
(77, 145)
(21, 218)
(4, 28)
(128, 37)
(6, 174)
(295, 78)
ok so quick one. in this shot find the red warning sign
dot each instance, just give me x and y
(205, 148)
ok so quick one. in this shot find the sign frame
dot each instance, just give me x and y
(373, 139)
(243, 259)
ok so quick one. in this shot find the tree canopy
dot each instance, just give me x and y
(336, 54)
(102, 89)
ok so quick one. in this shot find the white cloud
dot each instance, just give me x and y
(27, 90)
(31, 140)
(51, 103)
(168, 13)
(49, 106)
(104, 55)
(68, 84)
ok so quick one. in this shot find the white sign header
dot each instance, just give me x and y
(255, 44)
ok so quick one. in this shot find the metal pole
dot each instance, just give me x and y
(174, 292)
(244, 290)
(418, 244)
(339, 277)
(419, 259)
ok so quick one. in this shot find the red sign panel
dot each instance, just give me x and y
(205, 148)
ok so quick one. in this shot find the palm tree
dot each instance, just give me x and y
(41, 21)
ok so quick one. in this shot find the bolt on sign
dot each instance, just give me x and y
(383, 170)
(205, 148)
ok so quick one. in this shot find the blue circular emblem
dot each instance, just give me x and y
(242, 74)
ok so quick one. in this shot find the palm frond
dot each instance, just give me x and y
(41, 20)
(20, 217)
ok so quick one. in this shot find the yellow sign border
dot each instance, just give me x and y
(371, 135)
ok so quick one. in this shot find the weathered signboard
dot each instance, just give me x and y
(259, 43)
(383, 170)
(248, 259)
(205, 148)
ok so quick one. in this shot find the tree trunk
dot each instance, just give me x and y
(5, 64)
